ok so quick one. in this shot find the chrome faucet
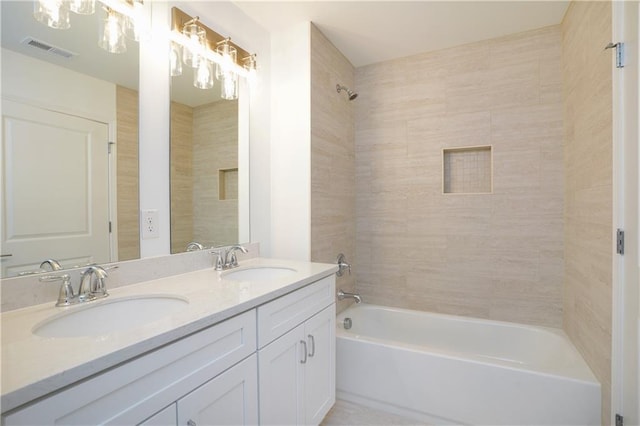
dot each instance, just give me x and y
(226, 258)
(92, 284)
(231, 260)
(194, 246)
(50, 265)
(345, 295)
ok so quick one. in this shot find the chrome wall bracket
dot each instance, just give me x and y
(619, 53)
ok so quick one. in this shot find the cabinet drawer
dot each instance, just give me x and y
(283, 314)
(136, 389)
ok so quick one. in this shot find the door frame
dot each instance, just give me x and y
(625, 372)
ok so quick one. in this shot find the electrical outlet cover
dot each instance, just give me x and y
(149, 224)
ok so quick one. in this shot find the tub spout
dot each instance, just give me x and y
(345, 295)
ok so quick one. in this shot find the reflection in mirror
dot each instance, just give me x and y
(69, 144)
(204, 165)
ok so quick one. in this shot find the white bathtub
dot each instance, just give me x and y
(443, 369)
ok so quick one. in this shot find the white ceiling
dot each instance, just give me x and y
(367, 32)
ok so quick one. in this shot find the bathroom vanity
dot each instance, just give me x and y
(254, 347)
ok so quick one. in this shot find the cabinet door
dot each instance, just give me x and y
(229, 399)
(166, 417)
(281, 379)
(320, 369)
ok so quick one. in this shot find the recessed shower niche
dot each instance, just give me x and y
(467, 170)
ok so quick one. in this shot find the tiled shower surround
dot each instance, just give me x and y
(588, 156)
(492, 255)
(333, 204)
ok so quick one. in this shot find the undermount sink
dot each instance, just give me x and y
(258, 273)
(96, 319)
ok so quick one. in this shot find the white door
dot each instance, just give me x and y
(281, 367)
(320, 370)
(55, 180)
(626, 328)
(228, 399)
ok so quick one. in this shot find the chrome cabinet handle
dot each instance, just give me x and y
(6, 255)
(304, 360)
(313, 345)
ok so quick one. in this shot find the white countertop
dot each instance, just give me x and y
(34, 366)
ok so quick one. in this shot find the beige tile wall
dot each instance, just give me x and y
(498, 255)
(215, 146)
(204, 140)
(332, 159)
(588, 234)
(181, 176)
(127, 174)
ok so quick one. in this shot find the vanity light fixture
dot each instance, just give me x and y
(224, 69)
(196, 41)
(123, 17)
(215, 49)
(249, 63)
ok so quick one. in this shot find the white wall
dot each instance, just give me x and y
(154, 130)
(26, 79)
(291, 142)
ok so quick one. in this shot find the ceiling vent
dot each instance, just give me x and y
(39, 44)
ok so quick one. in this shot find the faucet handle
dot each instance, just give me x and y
(66, 295)
(219, 262)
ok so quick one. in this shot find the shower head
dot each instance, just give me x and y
(352, 95)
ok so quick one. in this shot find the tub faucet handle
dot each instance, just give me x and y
(342, 265)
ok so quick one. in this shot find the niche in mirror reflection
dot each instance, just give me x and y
(204, 165)
(64, 189)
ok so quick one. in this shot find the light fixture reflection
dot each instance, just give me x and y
(133, 24)
(175, 59)
(203, 75)
(82, 7)
(52, 13)
(112, 37)
(229, 89)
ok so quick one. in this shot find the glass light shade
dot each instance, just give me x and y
(111, 35)
(203, 75)
(229, 56)
(133, 23)
(197, 41)
(175, 59)
(250, 65)
(229, 89)
(131, 29)
(52, 13)
(82, 7)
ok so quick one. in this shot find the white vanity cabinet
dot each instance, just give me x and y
(228, 399)
(296, 335)
(134, 391)
(273, 364)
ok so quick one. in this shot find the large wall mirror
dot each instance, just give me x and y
(69, 166)
(69, 144)
(205, 144)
